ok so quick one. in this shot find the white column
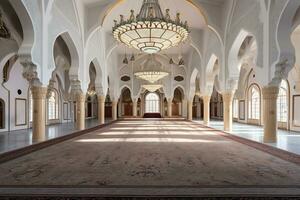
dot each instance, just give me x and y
(227, 110)
(101, 109)
(169, 100)
(134, 107)
(142, 107)
(206, 117)
(270, 94)
(80, 111)
(190, 110)
(38, 115)
(184, 108)
(180, 109)
(120, 109)
(114, 110)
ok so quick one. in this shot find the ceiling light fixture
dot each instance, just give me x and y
(152, 88)
(151, 31)
(151, 70)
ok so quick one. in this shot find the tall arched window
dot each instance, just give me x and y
(53, 106)
(254, 102)
(282, 102)
(152, 103)
(236, 108)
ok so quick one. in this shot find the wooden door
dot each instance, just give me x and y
(175, 109)
(128, 109)
(108, 111)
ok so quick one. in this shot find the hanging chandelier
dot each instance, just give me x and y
(152, 88)
(151, 31)
(151, 71)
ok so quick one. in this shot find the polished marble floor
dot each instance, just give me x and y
(286, 140)
(17, 139)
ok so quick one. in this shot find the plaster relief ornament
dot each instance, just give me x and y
(150, 31)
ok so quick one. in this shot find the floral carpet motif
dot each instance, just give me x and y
(150, 153)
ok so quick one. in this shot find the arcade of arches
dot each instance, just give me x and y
(239, 69)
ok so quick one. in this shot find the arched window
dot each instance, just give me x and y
(152, 103)
(254, 103)
(282, 102)
(53, 106)
(236, 108)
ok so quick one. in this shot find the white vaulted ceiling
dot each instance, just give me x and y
(103, 12)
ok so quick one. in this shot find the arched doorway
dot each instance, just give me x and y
(126, 102)
(177, 102)
(2, 114)
(152, 103)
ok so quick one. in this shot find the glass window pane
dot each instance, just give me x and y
(152, 103)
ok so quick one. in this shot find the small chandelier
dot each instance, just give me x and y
(152, 70)
(151, 31)
(152, 88)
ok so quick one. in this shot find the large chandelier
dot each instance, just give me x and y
(151, 31)
(151, 71)
(152, 88)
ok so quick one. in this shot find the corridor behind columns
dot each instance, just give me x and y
(152, 154)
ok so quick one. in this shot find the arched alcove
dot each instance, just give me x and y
(126, 102)
(178, 96)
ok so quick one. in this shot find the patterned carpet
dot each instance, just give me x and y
(133, 155)
(150, 153)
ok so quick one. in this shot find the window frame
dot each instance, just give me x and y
(254, 103)
(283, 101)
(54, 114)
(155, 103)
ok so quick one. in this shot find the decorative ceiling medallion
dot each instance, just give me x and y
(151, 31)
(179, 78)
(125, 78)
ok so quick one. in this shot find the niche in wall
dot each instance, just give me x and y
(20, 115)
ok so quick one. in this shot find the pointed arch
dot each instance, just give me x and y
(27, 26)
(234, 63)
(74, 70)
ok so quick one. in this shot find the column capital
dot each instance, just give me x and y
(39, 92)
(227, 95)
(169, 100)
(80, 97)
(51, 87)
(134, 100)
(270, 92)
(206, 97)
(30, 72)
(101, 98)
